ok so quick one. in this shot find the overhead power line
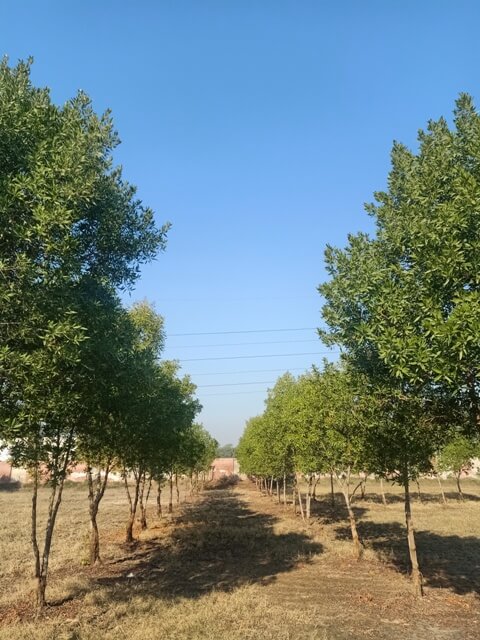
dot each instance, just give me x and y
(235, 384)
(231, 393)
(224, 333)
(229, 373)
(240, 344)
(267, 355)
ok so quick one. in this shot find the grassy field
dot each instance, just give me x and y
(234, 564)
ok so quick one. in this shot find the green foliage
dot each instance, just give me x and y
(407, 303)
(226, 451)
(457, 455)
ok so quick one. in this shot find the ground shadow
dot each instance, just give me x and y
(10, 486)
(216, 544)
(447, 561)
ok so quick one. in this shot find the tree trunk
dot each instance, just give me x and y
(444, 500)
(309, 497)
(278, 491)
(357, 545)
(284, 489)
(133, 501)
(415, 570)
(159, 499)
(300, 501)
(362, 488)
(314, 492)
(419, 493)
(177, 489)
(460, 492)
(96, 491)
(170, 496)
(332, 491)
(382, 491)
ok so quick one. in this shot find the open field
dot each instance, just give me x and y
(234, 564)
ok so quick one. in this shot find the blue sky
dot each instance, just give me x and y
(259, 129)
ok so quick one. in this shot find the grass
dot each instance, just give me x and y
(235, 564)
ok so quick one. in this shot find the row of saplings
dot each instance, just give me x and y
(333, 423)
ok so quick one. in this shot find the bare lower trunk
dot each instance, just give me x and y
(159, 499)
(357, 545)
(314, 492)
(278, 491)
(96, 490)
(170, 496)
(382, 491)
(460, 492)
(362, 488)
(309, 497)
(332, 491)
(300, 501)
(58, 474)
(419, 492)
(444, 500)
(415, 570)
(133, 502)
(284, 489)
(177, 489)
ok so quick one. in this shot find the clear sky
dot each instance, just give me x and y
(259, 129)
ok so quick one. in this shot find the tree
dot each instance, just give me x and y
(411, 295)
(72, 230)
(226, 451)
(457, 457)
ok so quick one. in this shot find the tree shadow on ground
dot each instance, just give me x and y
(218, 544)
(10, 486)
(446, 561)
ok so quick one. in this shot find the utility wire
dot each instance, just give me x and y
(224, 333)
(231, 393)
(228, 373)
(239, 344)
(235, 384)
(267, 355)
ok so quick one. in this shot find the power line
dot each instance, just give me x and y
(224, 333)
(235, 384)
(267, 355)
(231, 393)
(239, 344)
(228, 373)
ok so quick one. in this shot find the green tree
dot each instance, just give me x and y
(70, 228)
(457, 457)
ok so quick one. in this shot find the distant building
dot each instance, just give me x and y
(222, 467)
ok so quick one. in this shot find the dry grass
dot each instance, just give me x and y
(235, 564)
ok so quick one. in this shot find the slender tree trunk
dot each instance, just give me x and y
(271, 486)
(460, 492)
(415, 570)
(300, 501)
(59, 472)
(314, 492)
(96, 491)
(353, 526)
(177, 490)
(444, 500)
(382, 491)
(284, 489)
(159, 499)
(143, 509)
(170, 495)
(332, 491)
(309, 497)
(278, 491)
(362, 488)
(419, 492)
(133, 502)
